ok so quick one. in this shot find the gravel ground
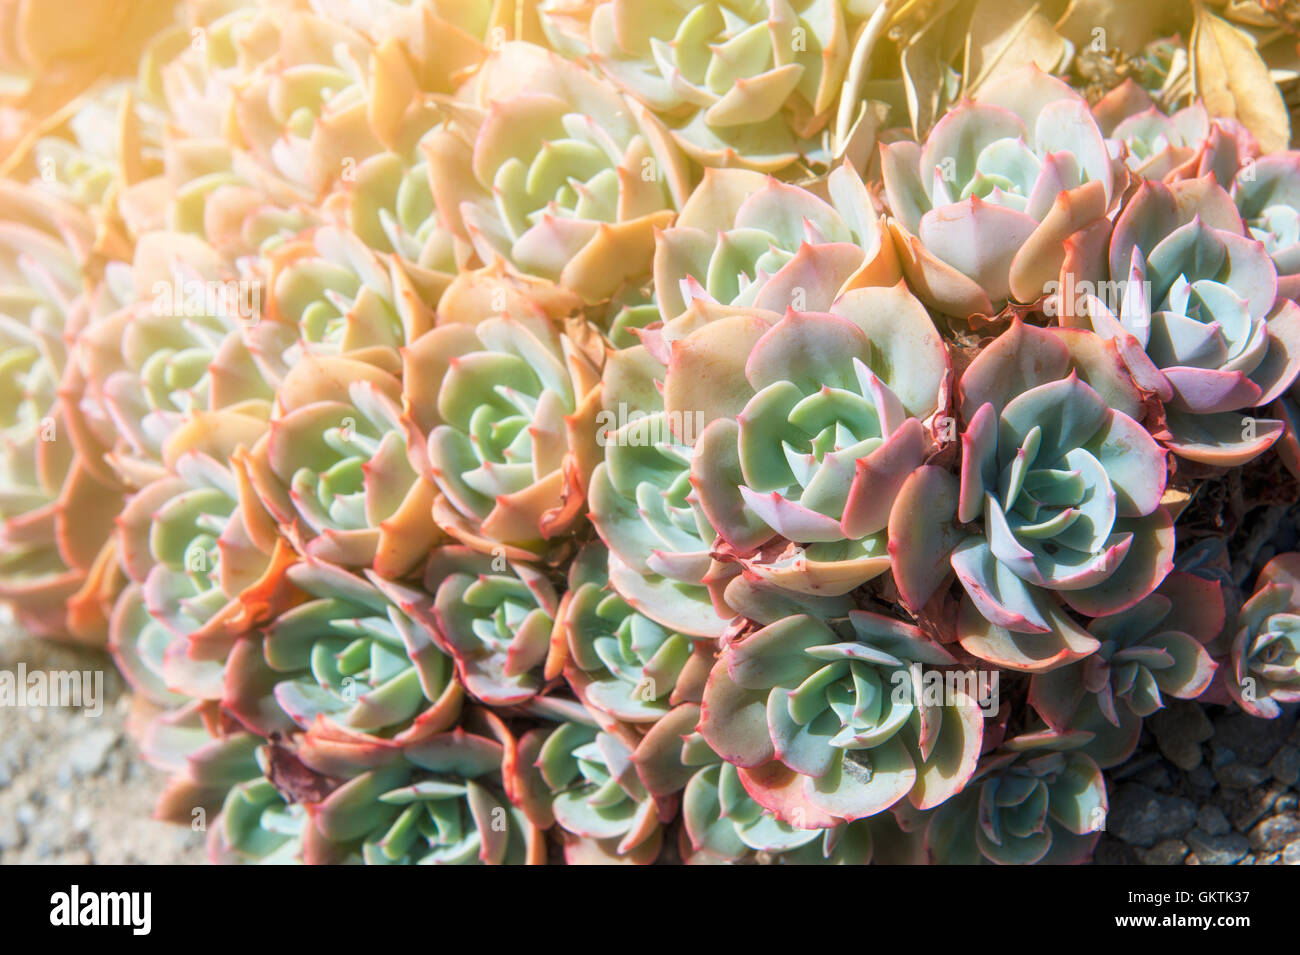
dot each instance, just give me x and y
(1207, 786)
(73, 788)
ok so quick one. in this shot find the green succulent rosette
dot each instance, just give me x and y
(357, 653)
(643, 504)
(496, 619)
(552, 169)
(1036, 800)
(1060, 494)
(1259, 651)
(1195, 311)
(56, 502)
(740, 82)
(828, 726)
(333, 469)
(622, 662)
(811, 423)
(1154, 650)
(327, 294)
(337, 797)
(205, 567)
(752, 241)
(501, 417)
(583, 779)
(721, 821)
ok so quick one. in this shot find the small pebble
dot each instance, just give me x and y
(1285, 765)
(1168, 852)
(1218, 850)
(1239, 775)
(1213, 821)
(1276, 832)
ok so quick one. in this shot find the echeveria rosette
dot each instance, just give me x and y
(555, 171)
(387, 202)
(747, 240)
(821, 725)
(1154, 650)
(205, 566)
(327, 293)
(1063, 487)
(359, 652)
(645, 510)
(982, 207)
(721, 821)
(164, 343)
(333, 468)
(582, 778)
(204, 752)
(811, 424)
(620, 661)
(215, 192)
(57, 503)
(1186, 144)
(1198, 318)
(326, 99)
(258, 826)
(1267, 192)
(1259, 651)
(1035, 800)
(496, 618)
(501, 417)
(443, 799)
(740, 82)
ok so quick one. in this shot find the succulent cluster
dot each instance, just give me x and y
(498, 432)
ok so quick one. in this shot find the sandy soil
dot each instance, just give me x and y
(73, 788)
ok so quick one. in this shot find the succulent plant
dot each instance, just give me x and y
(501, 419)
(56, 505)
(1153, 650)
(326, 99)
(745, 240)
(739, 83)
(358, 653)
(1195, 314)
(328, 294)
(1259, 665)
(644, 508)
(333, 468)
(1186, 144)
(345, 797)
(1035, 800)
(164, 343)
(554, 171)
(822, 725)
(811, 424)
(205, 753)
(721, 821)
(982, 207)
(582, 778)
(620, 661)
(496, 618)
(1067, 488)
(387, 202)
(1267, 193)
(205, 566)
